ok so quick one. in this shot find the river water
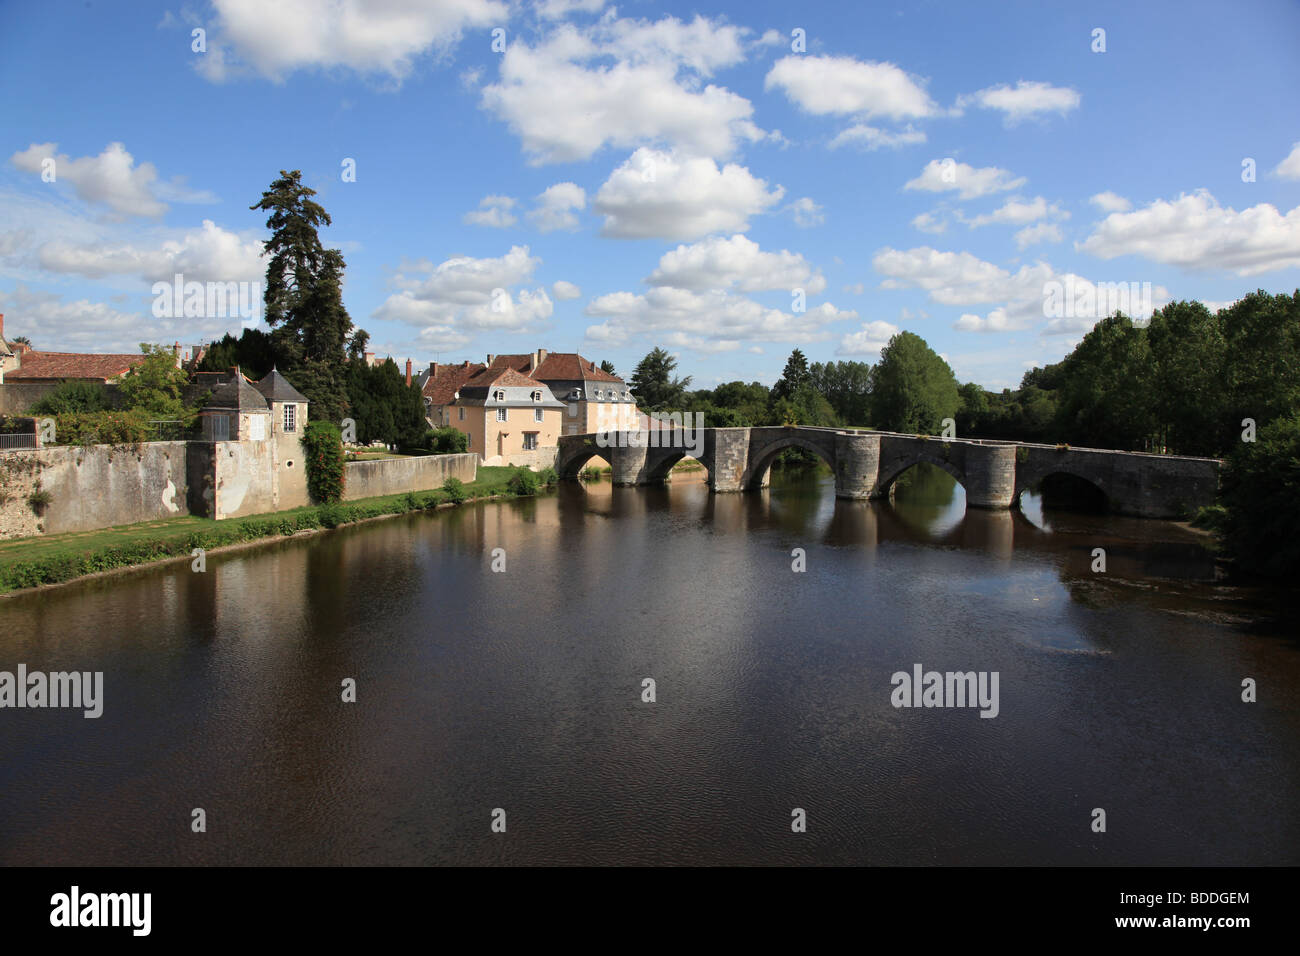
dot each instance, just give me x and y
(522, 691)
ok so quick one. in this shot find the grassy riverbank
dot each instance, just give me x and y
(52, 559)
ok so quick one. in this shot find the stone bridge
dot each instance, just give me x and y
(866, 464)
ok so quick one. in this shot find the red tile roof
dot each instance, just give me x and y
(558, 367)
(441, 388)
(503, 377)
(74, 365)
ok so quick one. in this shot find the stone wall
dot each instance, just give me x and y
(392, 476)
(92, 487)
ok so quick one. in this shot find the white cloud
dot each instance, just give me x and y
(842, 85)
(1042, 232)
(381, 37)
(559, 9)
(962, 279)
(464, 295)
(735, 263)
(207, 254)
(869, 340)
(655, 194)
(1024, 100)
(1111, 202)
(493, 211)
(806, 213)
(111, 178)
(555, 207)
(1289, 168)
(565, 106)
(941, 175)
(995, 321)
(84, 325)
(563, 290)
(706, 322)
(1195, 232)
(872, 138)
(1018, 212)
(930, 222)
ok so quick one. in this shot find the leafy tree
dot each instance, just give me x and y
(1262, 371)
(1186, 394)
(303, 297)
(155, 386)
(1261, 487)
(912, 388)
(607, 367)
(21, 340)
(794, 377)
(447, 441)
(653, 383)
(383, 406)
(1104, 389)
(253, 352)
(847, 386)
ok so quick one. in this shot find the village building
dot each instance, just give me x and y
(594, 399)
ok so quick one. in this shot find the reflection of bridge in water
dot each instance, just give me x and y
(866, 465)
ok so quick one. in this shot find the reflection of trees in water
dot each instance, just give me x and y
(925, 497)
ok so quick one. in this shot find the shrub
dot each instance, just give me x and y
(591, 474)
(1261, 486)
(1210, 518)
(325, 472)
(447, 441)
(102, 428)
(523, 483)
(72, 398)
(39, 499)
(455, 489)
(548, 477)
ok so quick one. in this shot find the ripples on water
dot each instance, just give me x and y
(522, 691)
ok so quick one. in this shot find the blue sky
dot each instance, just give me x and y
(607, 178)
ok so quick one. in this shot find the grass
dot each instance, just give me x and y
(50, 559)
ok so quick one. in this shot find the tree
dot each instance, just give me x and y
(1186, 394)
(253, 352)
(303, 297)
(21, 340)
(607, 367)
(847, 386)
(794, 377)
(383, 406)
(1104, 389)
(1261, 486)
(912, 388)
(155, 386)
(653, 384)
(1262, 371)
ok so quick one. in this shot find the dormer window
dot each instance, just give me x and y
(599, 394)
(499, 395)
(537, 396)
(576, 395)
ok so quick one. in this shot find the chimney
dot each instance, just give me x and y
(176, 351)
(408, 373)
(541, 356)
(433, 369)
(490, 357)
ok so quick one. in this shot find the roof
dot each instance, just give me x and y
(558, 367)
(276, 388)
(238, 394)
(503, 377)
(441, 389)
(74, 365)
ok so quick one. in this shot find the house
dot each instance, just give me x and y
(595, 400)
(439, 385)
(509, 418)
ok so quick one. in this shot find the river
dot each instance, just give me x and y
(522, 691)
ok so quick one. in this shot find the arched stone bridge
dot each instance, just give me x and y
(866, 464)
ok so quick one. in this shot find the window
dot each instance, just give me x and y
(462, 413)
(290, 417)
(530, 441)
(220, 428)
(499, 395)
(256, 428)
(537, 396)
(469, 440)
(501, 414)
(599, 395)
(537, 415)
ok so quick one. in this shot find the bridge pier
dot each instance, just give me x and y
(626, 464)
(990, 476)
(857, 466)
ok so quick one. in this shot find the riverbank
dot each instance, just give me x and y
(27, 563)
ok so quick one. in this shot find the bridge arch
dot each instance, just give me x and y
(760, 466)
(569, 466)
(660, 467)
(1087, 491)
(885, 482)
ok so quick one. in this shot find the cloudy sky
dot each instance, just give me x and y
(727, 180)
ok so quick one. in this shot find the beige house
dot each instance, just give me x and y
(594, 399)
(510, 418)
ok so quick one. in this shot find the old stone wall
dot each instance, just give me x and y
(392, 476)
(90, 487)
